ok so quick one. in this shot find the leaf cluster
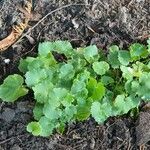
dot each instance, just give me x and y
(83, 83)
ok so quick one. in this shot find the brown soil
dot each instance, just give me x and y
(100, 22)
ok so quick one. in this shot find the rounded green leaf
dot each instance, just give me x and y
(66, 71)
(91, 53)
(35, 76)
(68, 113)
(127, 72)
(113, 56)
(67, 100)
(128, 87)
(83, 109)
(95, 90)
(99, 91)
(63, 47)
(78, 63)
(138, 51)
(124, 104)
(34, 128)
(124, 57)
(83, 76)
(92, 83)
(47, 126)
(100, 112)
(58, 96)
(107, 80)
(77, 86)
(148, 42)
(101, 67)
(12, 88)
(61, 128)
(24, 63)
(45, 48)
(42, 90)
(131, 102)
(51, 112)
(38, 111)
(78, 89)
(120, 105)
(144, 86)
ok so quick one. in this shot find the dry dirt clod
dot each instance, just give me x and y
(8, 114)
(143, 128)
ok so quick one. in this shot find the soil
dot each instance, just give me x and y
(100, 22)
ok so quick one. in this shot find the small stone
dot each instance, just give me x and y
(6, 61)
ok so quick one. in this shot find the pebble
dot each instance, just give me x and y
(6, 61)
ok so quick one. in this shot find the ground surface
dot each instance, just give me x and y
(100, 22)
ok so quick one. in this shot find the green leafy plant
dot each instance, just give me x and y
(83, 83)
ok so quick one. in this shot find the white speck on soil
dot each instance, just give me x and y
(7, 61)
